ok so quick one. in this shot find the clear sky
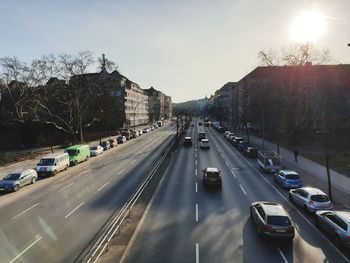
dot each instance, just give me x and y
(185, 48)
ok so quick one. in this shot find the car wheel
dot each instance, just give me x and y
(16, 188)
(337, 241)
(33, 180)
(75, 163)
(290, 197)
(54, 173)
(65, 168)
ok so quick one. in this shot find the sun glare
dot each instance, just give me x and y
(307, 27)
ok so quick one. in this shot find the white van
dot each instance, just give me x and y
(52, 164)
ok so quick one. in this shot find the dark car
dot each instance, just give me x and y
(211, 176)
(106, 145)
(188, 141)
(242, 145)
(221, 129)
(272, 220)
(251, 152)
(236, 140)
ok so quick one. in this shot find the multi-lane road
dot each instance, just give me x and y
(186, 223)
(54, 219)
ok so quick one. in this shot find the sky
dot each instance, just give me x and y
(185, 48)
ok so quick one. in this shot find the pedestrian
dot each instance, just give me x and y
(296, 153)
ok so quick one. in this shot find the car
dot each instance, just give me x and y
(204, 144)
(336, 224)
(113, 142)
(78, 153)
(155, 126)
(220, 129)
(105, 145)
(288, 179)
(211, 176)
(135, 134)
(201, 135)
(96, 150)
(140, 132)
(200, 123)
(242, 145)
(226, 132)
(188, 141)
(235, 140)
(311, 199)
(227, 135)
(146, 130)
(121, 139)
(251, 152)
(152, 128)
(52, 164)
(13, 181)
(272, 220)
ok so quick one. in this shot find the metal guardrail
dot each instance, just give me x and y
(102, 243)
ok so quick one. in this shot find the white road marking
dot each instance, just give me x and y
(196, 212)
(26, 249)
(75, 209)
(196, 187)
(222, 155)
(65, 187)
(233, 174)
(242, 189)
(195, 156)
(25, 211)
(197, 253)
(196, 162)
(227, 164)
(103, 186)
(195, 171)
(195, 149)
(121, 171)
(282, 255)
(133, 161)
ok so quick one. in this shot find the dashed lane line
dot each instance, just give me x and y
(25, 211)
(233, 173)
(38, 238)
(65, 187)
(197, 253)
(196, 212)
(196, 187)
(245, 193)
(282, 255)
(75, 209)
(103, 186)
(121, 171)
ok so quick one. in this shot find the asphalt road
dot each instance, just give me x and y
(54, 219)
(186, 223)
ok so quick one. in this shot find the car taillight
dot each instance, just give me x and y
(311, 202)
(291, 229)
(267, 228)
(205, 174)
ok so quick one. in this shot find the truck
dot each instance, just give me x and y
(78, 153)
(269, 161)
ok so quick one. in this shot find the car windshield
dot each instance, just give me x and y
(278, 220)
(12, 176)
(47, 161)
(72, 152)
(93, 148)
(319, 198)
(212, 174)
(292, 176)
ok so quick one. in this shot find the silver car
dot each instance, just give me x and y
(336, 224)
(311, 199)
(15, 180)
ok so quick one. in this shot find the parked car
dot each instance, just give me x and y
(221, 129)
(229, 134)
(311, 199)
(13, 181)
(211, 176)
(242, 145)
(140, 132)
(146, 130)
(78, 153)
(106, 145)
(113, 142)
(288, 179)
(121, 139)
(52, 164)
(96, 150)
(272, 220)
(251, 152)
(269, 161)
(204, 144)
(188, 141)
(236, 140)
(336, 224)
(152, 128)
(155, 126)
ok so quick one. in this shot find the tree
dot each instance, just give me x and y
(106, 64)
(295, 55)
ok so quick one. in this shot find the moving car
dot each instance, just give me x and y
(78, 153)
(113, 142)
(201, 136)
(211, 176)
(272, 220)
(106, 145)
(288, 179)
(204, 144)
(188, 141)
(96, 150)
(311, 199)
(13, 181)
(121, 139)
(336, 224)
(52, 164)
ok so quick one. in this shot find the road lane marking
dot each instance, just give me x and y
(103, 186)
(65, 187)
(233, 174)
(26, 249)
(196, 212)
(75, 209)
(196, 162)
(25, 211)
(133, 161)
(222, 155)
(196, 156)
(282, 255)
(195, 171)
(227, 164)
(196, 187)
(197, 253)
(242, 189)
(121, 172)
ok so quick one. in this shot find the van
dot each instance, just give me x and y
(78, 153)
(52, 164)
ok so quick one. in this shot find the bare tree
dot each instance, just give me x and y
(106, 64)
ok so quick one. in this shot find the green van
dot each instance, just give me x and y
(78, 153)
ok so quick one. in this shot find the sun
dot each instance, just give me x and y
(308, 27)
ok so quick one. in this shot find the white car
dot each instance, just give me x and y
(96, 150)
(121, 139)
(204, 144)
(145, 130)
